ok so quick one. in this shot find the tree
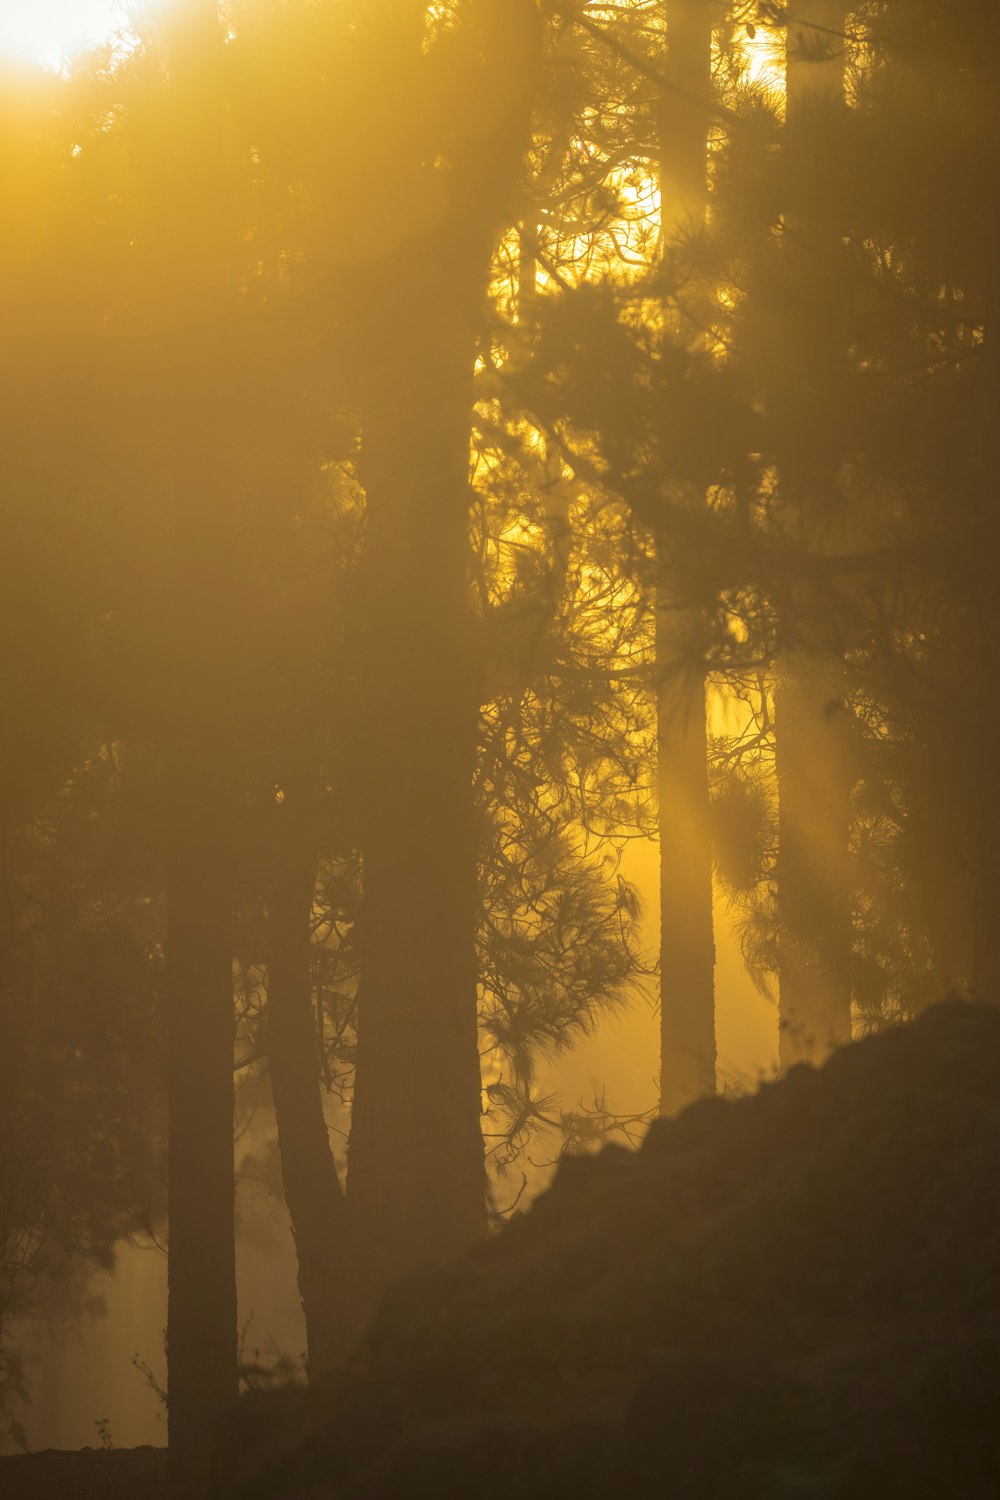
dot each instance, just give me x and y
(687, 946)
(417, 1182)
(813, 718)
(652, 441)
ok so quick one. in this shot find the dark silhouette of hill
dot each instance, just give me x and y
(795, 1293)
(89, 1474)
(790, 1294)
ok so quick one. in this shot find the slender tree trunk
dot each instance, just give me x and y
(200, 774)
(816, 50)
(416, 1183)
(813, 756)
(942, 832)
(986, 977)
(986, 974)
(327, 1276)
(687, 942)
(201, 1283)
(811, 720)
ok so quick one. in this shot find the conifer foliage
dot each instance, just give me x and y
(428, 430)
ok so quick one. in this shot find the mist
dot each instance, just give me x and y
(498, 779)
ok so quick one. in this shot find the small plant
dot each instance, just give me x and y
(259, 1372)
(103, 1426)
(149, 1377)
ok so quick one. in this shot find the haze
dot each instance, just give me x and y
(497, 601)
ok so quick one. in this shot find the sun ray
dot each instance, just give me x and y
(49, 32)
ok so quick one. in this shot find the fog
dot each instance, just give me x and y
(497, 608)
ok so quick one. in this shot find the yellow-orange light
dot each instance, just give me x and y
(49, 32)
(765, 57)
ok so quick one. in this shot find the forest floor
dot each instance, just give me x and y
(90, 1474)
(795, 1294)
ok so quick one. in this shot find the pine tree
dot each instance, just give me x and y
(687, 947)
(417, 1183)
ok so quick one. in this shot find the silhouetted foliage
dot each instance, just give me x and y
(444, 445)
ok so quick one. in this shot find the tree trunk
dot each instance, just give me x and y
(687, 942)
(201, 1283)
(416, 1182)
(940, 829)
(331, 1303)
(815, 47)
(986, 972)
(812, 751)
(201, 770)
(812, 723)
(986, 721)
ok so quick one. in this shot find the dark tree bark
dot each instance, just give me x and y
(687, 940)
(416, 1185)
(813, 757)
(986, 971)
(200, 803)
(812, 723)
(986, 717)
(315, 1199)
(201, 1277)
(942, 828)
(416, 1179)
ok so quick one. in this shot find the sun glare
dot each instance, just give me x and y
(48, 32)
(764, 52)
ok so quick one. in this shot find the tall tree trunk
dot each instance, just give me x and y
(687, 941)
(201, 808)
(941, 829)
(813, 757)
(815, 51)
(327, 1275)
(416, 1183)
(986, 975)
(986, 972)
(201, 1273)
(811, 720)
